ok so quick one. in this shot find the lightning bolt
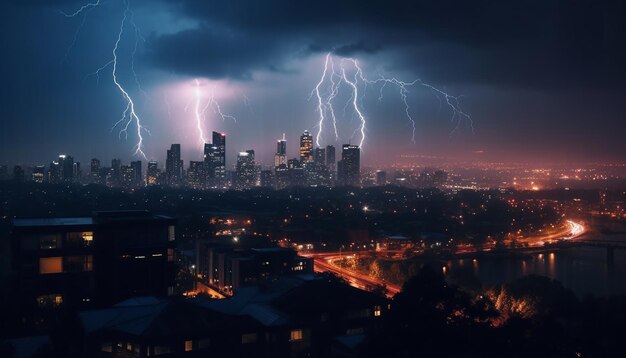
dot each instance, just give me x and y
(198, 113)
(327, 90)
(129, 115)
(355, 95)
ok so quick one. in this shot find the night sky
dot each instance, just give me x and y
(542, 80)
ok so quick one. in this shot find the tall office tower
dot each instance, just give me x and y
(152, 174)
(381, 177)
(212, 162)
(128, 176)
(349, 167)
(94, 170)
(245, 170)
(196, 177)
(219, 142)
(319, 156)
(39, 173)
(306, 147)
(76, 172)
(67, 167)
(174, 165)
(115, 174)
(330, 155)
(55, 173)
(138, 173)
(281, 152)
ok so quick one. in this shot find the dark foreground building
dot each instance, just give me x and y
(92, 261)
(298, 316)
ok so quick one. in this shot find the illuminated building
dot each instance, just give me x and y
(137, 173)
(349, 167)
(94, 170)
(306, 147)
(295, 316)
(174, 165)
(152, 174)
(39, 174)
(96, 260)
(219, 142)
(381, 177)
(54, 174)
(280, 158)
(245, 171)
(196, 176)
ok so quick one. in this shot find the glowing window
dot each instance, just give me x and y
(377, 311)
(188, 346)
(170, 255)
(296, 335)
(50, 265)
(171, 235)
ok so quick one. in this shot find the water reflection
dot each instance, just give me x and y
(582, 269)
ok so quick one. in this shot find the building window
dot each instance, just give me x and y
(377, 311)
(171, 234)
(248, 338)
(47, 242)
(50, 265)
(80, 239)
(82, 263)
(188, 346)
(170, 255)
(296, 335)
(51, 300)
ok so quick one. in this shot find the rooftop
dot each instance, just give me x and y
(98, 217)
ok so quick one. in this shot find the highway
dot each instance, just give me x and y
(325, 261)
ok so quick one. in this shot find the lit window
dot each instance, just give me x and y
(188, 346)
(377, 311)
(170, 255)
(248, 338)
(50, 265)
(88, 237)
(52, 300)
(107, 347)
(171, 233)
(296, 335)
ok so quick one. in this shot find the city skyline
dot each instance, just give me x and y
(535, 93)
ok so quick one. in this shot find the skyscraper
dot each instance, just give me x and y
(137, 173)
(94, 170)
(174, 165)
(281, 152)
(330, 156)
(38, 173)
(245, 170)
(219, 142)
(319, 155)
(306, 147)
(349, 167)
(55, 173)
(152, 174)
(115, 174)
(66, 163)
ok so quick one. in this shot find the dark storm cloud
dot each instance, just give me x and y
(542, 43)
